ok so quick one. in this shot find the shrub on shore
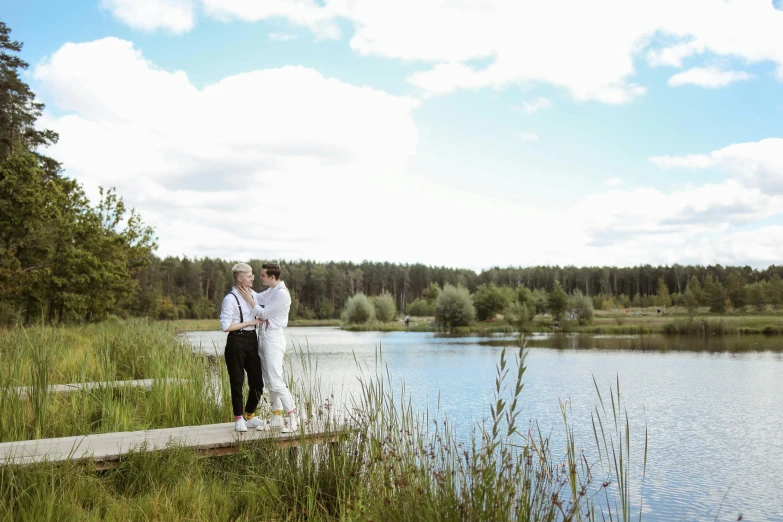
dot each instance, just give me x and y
(421, 308)
(582, 306)
(454, 307)
(358, 309)
(385, 309)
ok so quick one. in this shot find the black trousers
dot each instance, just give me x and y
(242, 356)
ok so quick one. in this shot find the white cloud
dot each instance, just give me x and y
(282, 37)
(674, 55)
(691, 161)
(268, 160)
(305, 13)
(539, 104)
(528, 136)
(586, 48)
(651, 226)
(613, 182)
(611, 214)
(176, 16)
(708, 77)
(288, 163)
(755, 164)
(763, 245)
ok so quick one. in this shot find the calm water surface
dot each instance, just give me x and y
(712, 408)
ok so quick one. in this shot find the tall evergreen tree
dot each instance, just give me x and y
(19, 110)
(557, 301)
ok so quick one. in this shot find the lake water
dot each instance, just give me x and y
(712, 408)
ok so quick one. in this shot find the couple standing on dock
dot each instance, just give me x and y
(256, 346)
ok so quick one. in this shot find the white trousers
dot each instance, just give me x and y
(271, 349)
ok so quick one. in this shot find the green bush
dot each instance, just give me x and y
(293, 312)
(358, 309)
(489, 300)
(582, 306)
(557, 301)
(431, 293)
(325, 308)
(718, 298)
(525, 297)
(421, 308)
(518, 315)
(385, 309)
(540, 300)
(203, 308)
(454, 307)
(690, 301)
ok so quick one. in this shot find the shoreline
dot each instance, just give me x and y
(603, 324)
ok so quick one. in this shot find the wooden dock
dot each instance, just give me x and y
(106, 449)
(145, 384)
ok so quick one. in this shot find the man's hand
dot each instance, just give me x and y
(247, 295)
(257, 321)
(265, 324)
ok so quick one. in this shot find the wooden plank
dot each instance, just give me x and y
(65, 388)
(107, 448)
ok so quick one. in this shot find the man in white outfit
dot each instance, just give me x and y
(272, 305)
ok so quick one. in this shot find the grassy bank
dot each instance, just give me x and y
(111, 351)
(675, 324)
(398, 464)
(427, 324)
(640, 322)
(206, 325)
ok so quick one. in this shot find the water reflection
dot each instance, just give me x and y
(658, 343)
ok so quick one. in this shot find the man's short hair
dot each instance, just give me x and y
(272, 270)
(241, 268)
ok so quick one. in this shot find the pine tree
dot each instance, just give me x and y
(663, 293)
(18, 109)
(557, 301)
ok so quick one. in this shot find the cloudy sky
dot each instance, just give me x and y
(450, 132)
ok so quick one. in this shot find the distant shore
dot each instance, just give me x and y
(675, 321)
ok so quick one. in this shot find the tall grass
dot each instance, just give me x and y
(705, 327)
(186, 390)
(395, 464)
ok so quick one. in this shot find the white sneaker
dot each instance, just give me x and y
(255, 422)
(276, 422)
(293, 424)
(240, 425)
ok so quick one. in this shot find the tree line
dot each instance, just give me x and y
(175, 287)
(60, 257)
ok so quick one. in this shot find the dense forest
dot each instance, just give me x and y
(65, 259)
(182, 287)
(60, 256)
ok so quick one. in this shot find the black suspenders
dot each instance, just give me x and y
(241, 316)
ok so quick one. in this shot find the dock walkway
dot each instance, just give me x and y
(145, 384)
(106, 449)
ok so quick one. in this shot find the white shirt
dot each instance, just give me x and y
(277, 303)
(229, 313)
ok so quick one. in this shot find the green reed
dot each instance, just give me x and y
(394, 463)
(184, 390)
